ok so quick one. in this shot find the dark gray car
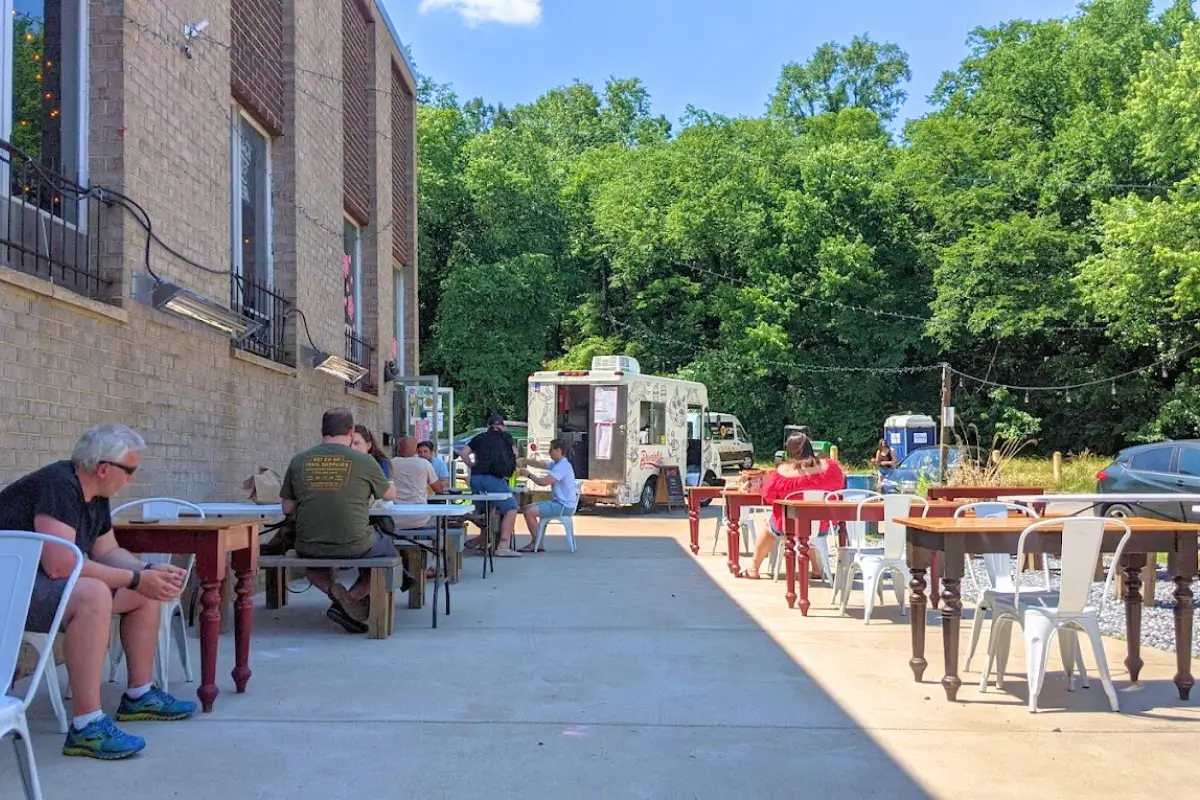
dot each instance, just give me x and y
(1160, 468)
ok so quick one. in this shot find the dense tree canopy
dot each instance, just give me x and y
(1039, 228)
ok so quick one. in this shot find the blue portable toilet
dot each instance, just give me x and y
(906, 433)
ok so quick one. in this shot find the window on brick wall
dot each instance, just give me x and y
(43, 121)
(358, 349)
(252, 285)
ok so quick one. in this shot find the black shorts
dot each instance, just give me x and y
(383, 547)
(43, 603)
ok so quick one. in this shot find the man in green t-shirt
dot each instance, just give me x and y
(329, 490)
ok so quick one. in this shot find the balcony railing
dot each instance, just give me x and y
(259, 302)
(360, 352)
(48, 225)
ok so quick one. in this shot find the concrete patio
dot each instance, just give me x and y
(630, 669)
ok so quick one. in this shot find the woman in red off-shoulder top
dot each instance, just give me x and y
(803, 470)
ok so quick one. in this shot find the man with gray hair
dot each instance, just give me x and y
(69, 499)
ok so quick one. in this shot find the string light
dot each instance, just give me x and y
(1149, 369)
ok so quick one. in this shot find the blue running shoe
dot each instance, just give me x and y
(154, 706)
(101, 739)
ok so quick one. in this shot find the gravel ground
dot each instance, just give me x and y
(1158, 620)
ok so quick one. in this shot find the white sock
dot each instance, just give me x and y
(82, 721)
(136, 692)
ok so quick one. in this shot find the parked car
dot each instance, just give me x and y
(518, 430)
(1161, 468)
(905, 477)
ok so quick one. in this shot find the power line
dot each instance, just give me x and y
(1170, 359)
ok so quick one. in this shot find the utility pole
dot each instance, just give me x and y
(947, 430)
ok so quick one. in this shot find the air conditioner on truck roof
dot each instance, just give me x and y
(625, 364)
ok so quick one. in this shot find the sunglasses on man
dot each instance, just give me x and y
(128, 470)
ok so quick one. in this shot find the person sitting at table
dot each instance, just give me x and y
(414, 478)
(427, 451)
(364, 442)
(70, 500)
(492, 458)
(802, 470)
(564, 495)
(329, 490)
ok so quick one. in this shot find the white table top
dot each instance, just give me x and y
(486, 497)
(276, 510)
(1115, 497)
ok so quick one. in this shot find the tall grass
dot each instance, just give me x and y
(1078, 472)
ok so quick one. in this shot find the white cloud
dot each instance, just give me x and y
(506, 12)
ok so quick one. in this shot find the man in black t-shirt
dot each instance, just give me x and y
(492, 459)
(69, 499)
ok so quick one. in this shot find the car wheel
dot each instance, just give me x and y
(748, 462)
(1118, 510)
(709, 480)
(646, 502)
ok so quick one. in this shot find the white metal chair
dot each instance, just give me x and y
(815, 541)
(856, 531)
(568, 528)
(1040, 619)
(999, 569)
(892, 561)
(172, 612)
(20, 554)
(722, 523)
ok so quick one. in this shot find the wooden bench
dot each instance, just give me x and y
(382, 620)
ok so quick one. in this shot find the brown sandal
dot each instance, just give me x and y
(747, 574)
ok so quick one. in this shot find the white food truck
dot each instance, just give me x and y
(620, 427)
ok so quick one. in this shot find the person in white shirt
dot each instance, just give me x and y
(564, 495)
(413, 477)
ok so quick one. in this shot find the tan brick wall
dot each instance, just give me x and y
(160, 132)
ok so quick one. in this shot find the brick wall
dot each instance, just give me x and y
(358, 62)
(402, 140)
(257, 59)
(160, 132)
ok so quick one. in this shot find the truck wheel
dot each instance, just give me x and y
(709, 480)
(646, 501)
(748, 462)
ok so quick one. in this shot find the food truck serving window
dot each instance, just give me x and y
(652, 423)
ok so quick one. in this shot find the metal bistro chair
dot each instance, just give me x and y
(20, 555)
(856, 532)
(1041, 617)
(893, 560)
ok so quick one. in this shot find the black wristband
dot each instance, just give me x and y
(137, 578)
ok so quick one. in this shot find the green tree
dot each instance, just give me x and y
(864, 74)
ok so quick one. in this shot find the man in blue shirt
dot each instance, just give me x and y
(564, 495)
(426, 451)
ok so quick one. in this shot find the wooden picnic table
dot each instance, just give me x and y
(798, 519)
(210, 541)
(979, 492)
(695, 495)
(957, 537)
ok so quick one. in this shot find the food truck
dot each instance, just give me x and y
(621, 427)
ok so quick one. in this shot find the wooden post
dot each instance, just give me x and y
(946, 432)
(833, 452)
(995, 457)
(1056, 466)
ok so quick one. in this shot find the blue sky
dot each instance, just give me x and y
(717, 55)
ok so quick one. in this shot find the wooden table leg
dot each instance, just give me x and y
(693, 509)
(210, 634)
(804, 564)
(917, 605)
(1133, 613)
(1184, 568)
(244, 569)
(733, 531)
(952, 573)
(935, 594)
(789, 558)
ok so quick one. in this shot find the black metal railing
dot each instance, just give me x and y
(49, 225)
(359, 351)
(270, 310)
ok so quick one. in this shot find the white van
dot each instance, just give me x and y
(620, 427)
(733, 446)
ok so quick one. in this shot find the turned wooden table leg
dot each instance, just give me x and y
(693, 509)
(804, 564)
(242, 624)
(917, 605)
(1133, 614)
(210, 633)
(951, 622)
(789, 560)
(733, 531)
(1184, 568)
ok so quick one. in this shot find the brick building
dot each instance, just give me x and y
(271, 146)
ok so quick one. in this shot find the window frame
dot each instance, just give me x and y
(1182, 451)
(399, 293)
(82, 91)
(1170, 451)
(356, 270)
(239, 116)
(646, 416)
